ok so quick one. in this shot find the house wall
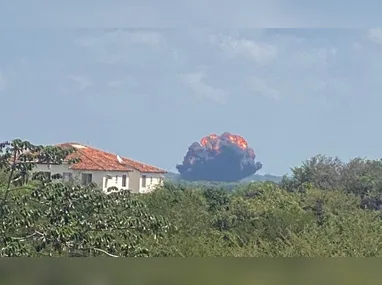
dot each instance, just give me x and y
(153, 180)
(134, 181)
(98, 177)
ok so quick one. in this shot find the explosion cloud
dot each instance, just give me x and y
(219, 158)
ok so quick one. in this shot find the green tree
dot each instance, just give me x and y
(43, 217)
(362, 177)
(319, 171)
(359, 176)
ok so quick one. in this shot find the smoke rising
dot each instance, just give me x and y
(219, 158)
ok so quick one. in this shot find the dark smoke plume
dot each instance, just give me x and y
(219, 158)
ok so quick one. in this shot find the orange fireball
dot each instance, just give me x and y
(212, 141)
(225, 157)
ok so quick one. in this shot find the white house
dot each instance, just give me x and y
(106, 170)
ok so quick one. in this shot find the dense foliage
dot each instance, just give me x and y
(326, 208)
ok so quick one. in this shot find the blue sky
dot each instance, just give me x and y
(186, 14)
(149, 93)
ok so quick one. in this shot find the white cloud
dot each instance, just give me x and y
(115, 84)
(126, 81)
(316, 56)
(261, 86)
(356, 46)
(196, 82)
(254, 50)
(82, 81)
(112, 46)
(375, 35)
(3, 81)
(122, 39)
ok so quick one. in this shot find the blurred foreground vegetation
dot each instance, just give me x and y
(325, 208)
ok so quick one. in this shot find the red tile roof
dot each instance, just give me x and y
(95, 159)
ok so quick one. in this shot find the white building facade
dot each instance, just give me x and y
(107, 171)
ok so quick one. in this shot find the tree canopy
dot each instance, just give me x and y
(325, 208)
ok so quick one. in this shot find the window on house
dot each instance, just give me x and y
(151, 180)
(144, 180)
(86, 178)
(67, 176)
(124, 178)
(116, 179)
(106, 179)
